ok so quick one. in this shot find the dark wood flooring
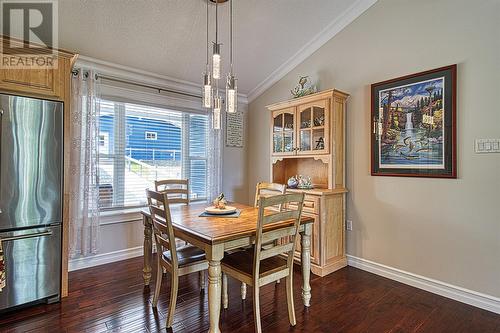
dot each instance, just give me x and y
(111, 298)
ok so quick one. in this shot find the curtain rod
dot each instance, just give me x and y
(138, 84)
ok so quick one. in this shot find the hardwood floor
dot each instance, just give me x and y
(111, 298)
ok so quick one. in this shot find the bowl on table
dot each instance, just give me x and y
(220, 211)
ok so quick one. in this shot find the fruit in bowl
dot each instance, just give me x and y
(220, 202)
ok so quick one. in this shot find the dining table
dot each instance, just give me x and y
(218, 234)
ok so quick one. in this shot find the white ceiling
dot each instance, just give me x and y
(168, 37)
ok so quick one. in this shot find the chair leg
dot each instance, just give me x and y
(202, 280)
(159, 278)
(256, 308)
(289, 300)
(225, 299)
(243, 290)
(173, 299)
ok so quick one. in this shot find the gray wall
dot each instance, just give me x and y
(443, 229)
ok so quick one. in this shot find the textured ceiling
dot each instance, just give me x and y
(168, 37)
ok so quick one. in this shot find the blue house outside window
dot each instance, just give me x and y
(140, 144)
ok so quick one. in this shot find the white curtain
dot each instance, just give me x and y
(84, 190)
(215, 158)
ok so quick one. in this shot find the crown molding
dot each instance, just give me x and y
(145, 77)
(349, 15)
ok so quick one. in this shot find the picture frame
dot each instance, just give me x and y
(413, 132)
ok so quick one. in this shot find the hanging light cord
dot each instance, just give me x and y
(231, 34)
(207, 33)
(216, 21)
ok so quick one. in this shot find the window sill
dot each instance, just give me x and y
(120, 216)
(126, 215)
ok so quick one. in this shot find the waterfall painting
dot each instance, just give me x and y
(413, 130)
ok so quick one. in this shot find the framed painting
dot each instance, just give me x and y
(414, 125)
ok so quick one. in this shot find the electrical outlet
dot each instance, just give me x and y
(348, 225)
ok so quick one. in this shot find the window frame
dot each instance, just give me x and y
(154, 138)
(119, 106)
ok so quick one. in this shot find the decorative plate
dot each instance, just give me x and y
(218, 211)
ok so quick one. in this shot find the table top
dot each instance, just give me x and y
(219, 229)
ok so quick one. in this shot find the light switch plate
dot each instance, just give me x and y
(349, 225)
(487, 146)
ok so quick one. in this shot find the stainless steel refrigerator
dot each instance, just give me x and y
(31, 182)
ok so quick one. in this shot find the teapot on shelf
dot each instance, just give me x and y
(299, 181)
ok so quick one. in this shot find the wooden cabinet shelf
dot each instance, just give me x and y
(307, 138)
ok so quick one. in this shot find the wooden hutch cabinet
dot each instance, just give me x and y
(308, 139)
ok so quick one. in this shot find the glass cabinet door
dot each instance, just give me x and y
(283, 132)
(313, 128)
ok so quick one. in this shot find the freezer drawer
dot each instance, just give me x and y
(32, 260)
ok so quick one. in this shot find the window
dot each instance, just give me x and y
(150, 135)
(104, 142)
(137, 155)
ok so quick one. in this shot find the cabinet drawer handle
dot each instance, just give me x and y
(309, 204)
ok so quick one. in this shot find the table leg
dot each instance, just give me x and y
(148, 249)
(214, 255)
(305, 237)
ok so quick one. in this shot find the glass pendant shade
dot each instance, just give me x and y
(207, 91)
(216, 65)
(231, 94)
(216, 115)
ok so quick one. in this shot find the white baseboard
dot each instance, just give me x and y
(460, 294)
(104, 258)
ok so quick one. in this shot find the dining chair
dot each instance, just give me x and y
(177, 261)
(258, 266)
(263, 189)
(177, 190)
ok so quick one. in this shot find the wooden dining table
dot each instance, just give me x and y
(218, 234)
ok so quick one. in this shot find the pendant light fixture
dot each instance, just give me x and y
(216, 64)
(231, 88)
(207, 79)
(217, 108)
(211, 94)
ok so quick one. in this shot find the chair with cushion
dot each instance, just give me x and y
(177, 191)
(263, 190)
(259, 265)
(177, 261)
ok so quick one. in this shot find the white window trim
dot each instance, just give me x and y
(154, 134)
(116, 216)
(132, 214)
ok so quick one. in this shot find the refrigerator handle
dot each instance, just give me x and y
(36, 234)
